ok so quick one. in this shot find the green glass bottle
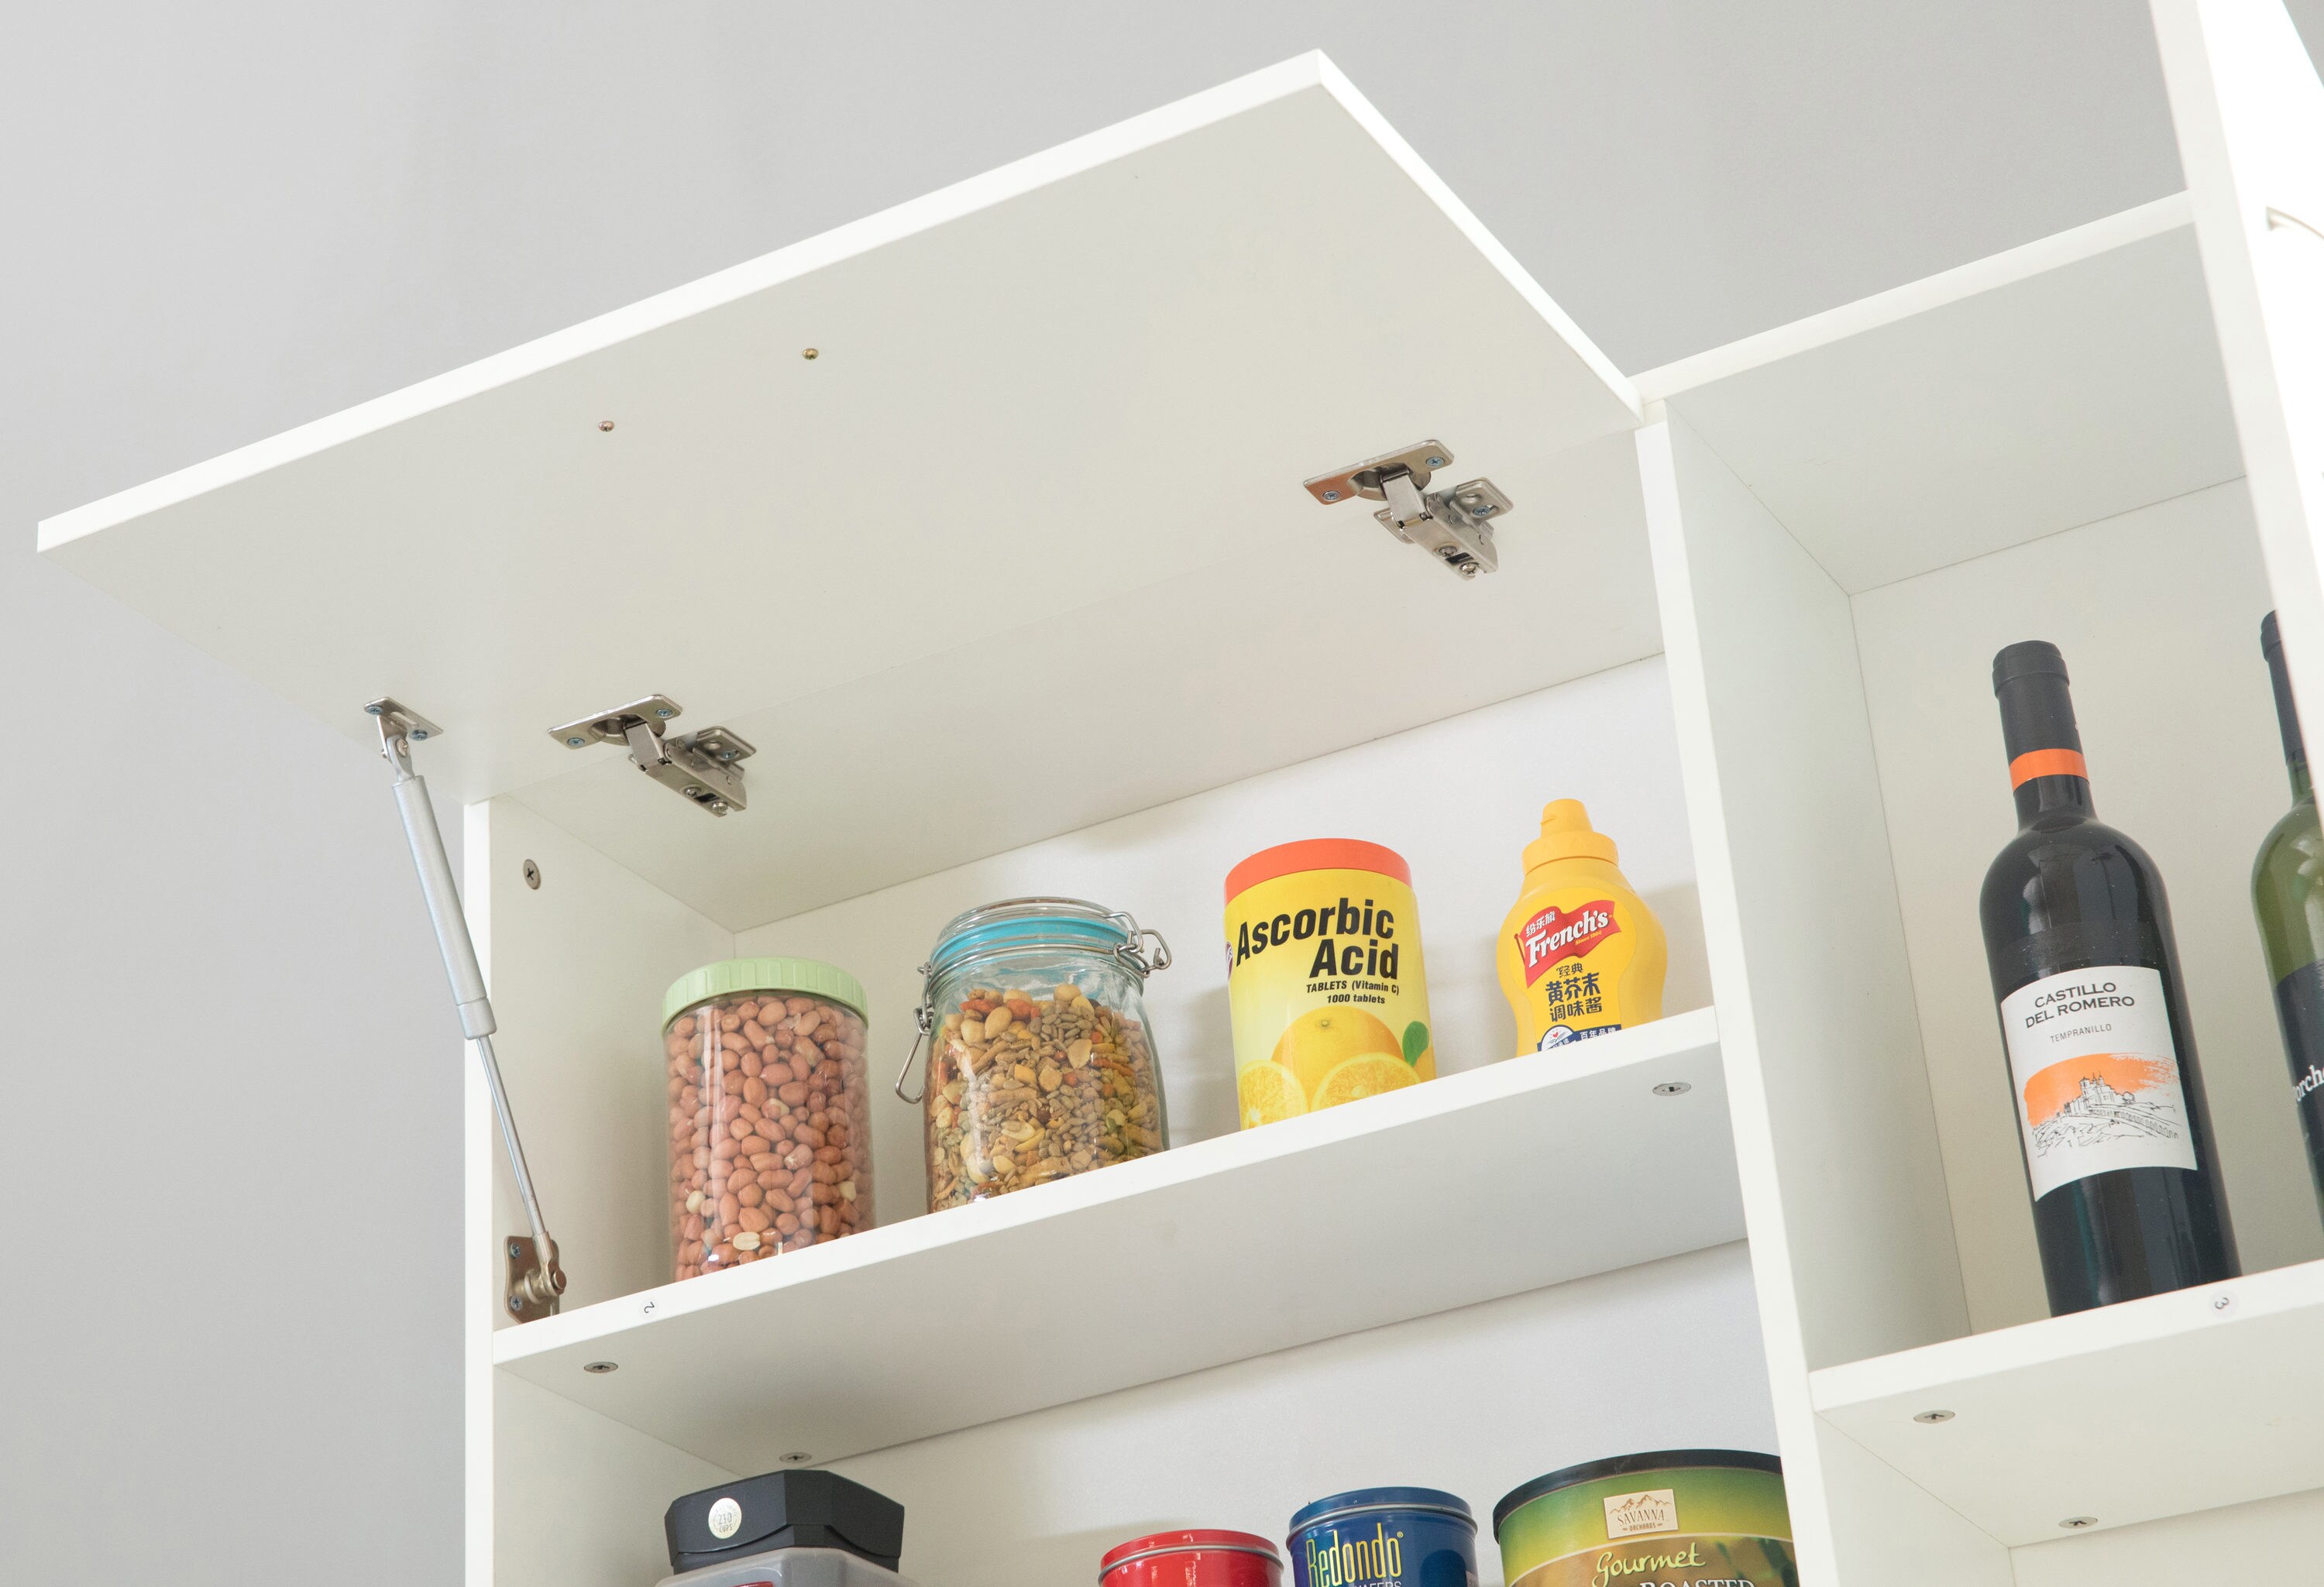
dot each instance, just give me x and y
(2288, 896)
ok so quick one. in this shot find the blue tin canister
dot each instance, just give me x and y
(1384, 1538)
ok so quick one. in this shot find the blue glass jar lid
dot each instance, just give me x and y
(1052, 923)
(1433, 1500)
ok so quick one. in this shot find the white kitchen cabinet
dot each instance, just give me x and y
(983, 520)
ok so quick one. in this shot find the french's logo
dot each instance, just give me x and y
(1558, 935)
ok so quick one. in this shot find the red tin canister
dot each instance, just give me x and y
(1193, 1559)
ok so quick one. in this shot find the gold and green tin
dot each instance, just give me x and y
(1672, 1518)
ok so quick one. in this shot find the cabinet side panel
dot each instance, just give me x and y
(581, 1498)
(2272, 1540)
(577, 969)
(2250, 117)
(1819, 936)
(1889, 1531)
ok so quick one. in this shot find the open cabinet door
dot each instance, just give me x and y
(2250, 117)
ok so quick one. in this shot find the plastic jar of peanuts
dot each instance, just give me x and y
(1040, 1060)
(770, 1138)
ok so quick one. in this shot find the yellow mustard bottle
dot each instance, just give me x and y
(1581, 954)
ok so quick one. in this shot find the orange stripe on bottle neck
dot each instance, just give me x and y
(2035, 763)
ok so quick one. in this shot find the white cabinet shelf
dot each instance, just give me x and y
(2129, 1413)
(1500, 1180)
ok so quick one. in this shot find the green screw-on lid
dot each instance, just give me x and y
(811, 976)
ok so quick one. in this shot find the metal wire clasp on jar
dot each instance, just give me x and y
(1040, 1060)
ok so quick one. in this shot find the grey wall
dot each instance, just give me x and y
(228, 1077)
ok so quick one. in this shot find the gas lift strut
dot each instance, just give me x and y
(536, 1281)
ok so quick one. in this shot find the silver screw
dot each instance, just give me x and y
(532, 875)
(2220, 1303)
(1934, 1416)
(600, 1367)
(2076, 1523)
(1487, 510)
(372, 710)
(693, 792)
(1436, 463)
(1331, 496)
(1673, 1088)
(1468, 570)
(725, 754)
(719, 806)
(664, 712)
(418, 734)
(577, 740)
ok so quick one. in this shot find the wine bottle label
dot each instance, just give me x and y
(2299, 1004)
(2096, 1075)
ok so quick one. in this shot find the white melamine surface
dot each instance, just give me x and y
(577, 969)
(1475, 1401)
(1056, 429)
(2250, 117)
(2157, 613)
(1546, 1167)
(2081, 379)
(1798, 820)
(2271, 1534)
(2149, 1408)
(577, 1500)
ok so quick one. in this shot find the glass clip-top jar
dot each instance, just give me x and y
(1041, 1063)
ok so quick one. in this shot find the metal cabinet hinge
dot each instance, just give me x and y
(706, 768)
(1454, 526)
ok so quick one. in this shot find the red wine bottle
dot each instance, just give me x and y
(2117, 1139)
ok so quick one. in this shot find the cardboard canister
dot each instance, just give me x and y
(1327, 987)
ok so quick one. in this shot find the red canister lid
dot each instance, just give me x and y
(1193, 1559)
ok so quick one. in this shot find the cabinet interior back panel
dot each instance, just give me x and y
(1459, 798)
(2157, 612)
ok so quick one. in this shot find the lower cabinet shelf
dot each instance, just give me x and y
(2155, 1408)
(1499, 1180)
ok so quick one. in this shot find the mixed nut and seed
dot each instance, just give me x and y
(1031, 1085)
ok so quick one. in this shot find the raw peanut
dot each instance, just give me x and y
(766, 1096)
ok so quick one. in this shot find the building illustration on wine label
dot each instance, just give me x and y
(2098, 1075)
